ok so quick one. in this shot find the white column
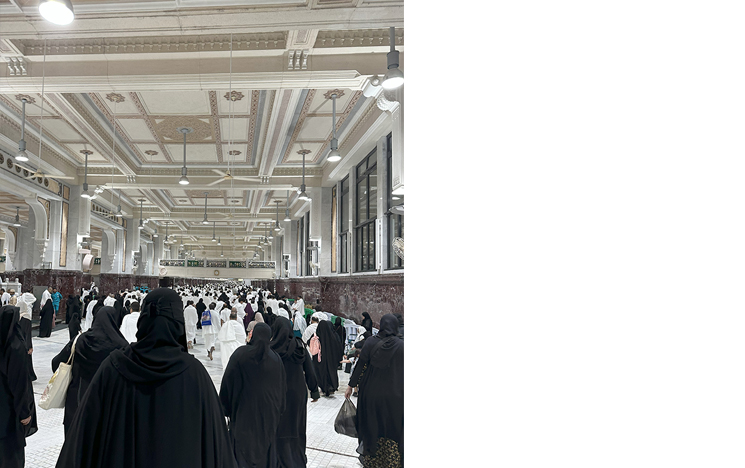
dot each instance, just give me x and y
(39, 247)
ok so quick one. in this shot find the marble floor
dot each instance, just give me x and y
(325, 448)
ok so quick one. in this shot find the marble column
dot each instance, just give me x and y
(79, 226)
(10, 245)
(39, 224)
(108, 251)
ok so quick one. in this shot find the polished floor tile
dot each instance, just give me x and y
(325, 448)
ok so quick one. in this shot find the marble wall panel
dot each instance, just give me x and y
(346, 296)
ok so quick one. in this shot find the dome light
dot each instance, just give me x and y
(57, 11)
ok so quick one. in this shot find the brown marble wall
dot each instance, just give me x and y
(67, 282)
(111, 282)
(346, 296)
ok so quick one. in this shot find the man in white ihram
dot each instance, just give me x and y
(231, 336)
(190, 323)
(109, 301)
(129, 322)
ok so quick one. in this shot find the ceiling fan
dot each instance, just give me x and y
(226, 176)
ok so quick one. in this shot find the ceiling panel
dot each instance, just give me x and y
(61, 130)
(176, 102)
(242, 104)
(137, 129)
(235, 129)
(194, 153)
(315, 128)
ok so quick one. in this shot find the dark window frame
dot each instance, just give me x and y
(364, 258)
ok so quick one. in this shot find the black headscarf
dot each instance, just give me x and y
(284, 342)
(160, 351)
(368, 324)
(9, 328)
(103, 337)
(340, 330)
(259, 343)
(385, 348)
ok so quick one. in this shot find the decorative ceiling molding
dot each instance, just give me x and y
(169, 80)
(357, 38)
(300, 122)
(154, 44)
(214, 109)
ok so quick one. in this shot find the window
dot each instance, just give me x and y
(334, 229)
(366, 213)
(344, 226)
(395, 221)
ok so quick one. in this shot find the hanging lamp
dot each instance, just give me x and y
(303, 195)
(276, 226)
(395, 77)
(204, 221)
(287, 210)
(334, 154)
(184, 180)
(213, 232)
(21, 155)
(141, 226)
(85, 193)
(17, 222)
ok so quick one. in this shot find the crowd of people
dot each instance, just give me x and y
(137, 394)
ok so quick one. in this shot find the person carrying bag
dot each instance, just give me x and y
(56, 391)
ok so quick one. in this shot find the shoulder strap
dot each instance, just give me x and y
(72, 352)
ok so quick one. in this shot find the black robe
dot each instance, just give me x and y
(151, 404)
(74, 326)
(201, 307)
(367, 323)
(25, 325)
(69, 305)
(332, 353)
(300, 378)
(16, 391)
(47, 320)
(253, 393)
(92, 348)
(379, 373)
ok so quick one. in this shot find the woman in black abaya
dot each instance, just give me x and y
(47, 320)
(253, 393)
(340, 330)
(300, 378)
(379, 373)
(17, 409)
(92, 348)
(151, 404)
(69, 306)
(331, 355)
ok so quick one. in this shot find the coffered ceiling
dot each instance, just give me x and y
(253, 79)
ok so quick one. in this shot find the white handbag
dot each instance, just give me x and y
(56, 391)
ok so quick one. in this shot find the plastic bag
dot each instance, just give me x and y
(346, 419)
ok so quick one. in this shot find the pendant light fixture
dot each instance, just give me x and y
(155, 234)
(334, 155)
(276, 225)
(204, 221)
(118, 213)
(395, 77)
(17, 222)
(141, 226)
(57, 11)
(21, 155)
(213, 232)
(287, 210)
(303, 195)
(165, 241)
(184, 180)
(219, 241)
(85, 193)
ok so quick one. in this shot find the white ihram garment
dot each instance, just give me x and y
(190, 319)
(209, 332)
(231, 336)
(129, 326)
